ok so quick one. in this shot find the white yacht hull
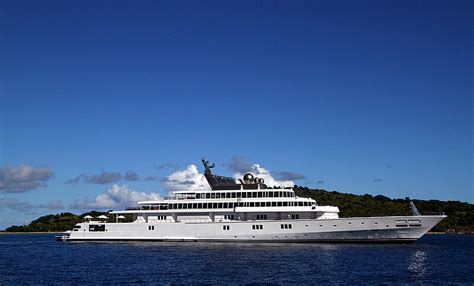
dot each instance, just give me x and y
(362, 229)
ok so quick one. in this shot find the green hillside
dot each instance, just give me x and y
(53, 222)
(460, 215)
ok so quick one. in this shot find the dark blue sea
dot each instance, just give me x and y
(39, 259)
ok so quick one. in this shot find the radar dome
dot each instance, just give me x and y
(248, 178)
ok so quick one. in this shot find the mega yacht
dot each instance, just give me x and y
(246, 210)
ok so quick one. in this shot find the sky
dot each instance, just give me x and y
(103, 103)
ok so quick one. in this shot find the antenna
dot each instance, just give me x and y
(414, 210)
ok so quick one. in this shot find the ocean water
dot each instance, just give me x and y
(39, 259)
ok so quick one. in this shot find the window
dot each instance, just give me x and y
(257, 204)
(213, 195)
(401, 223)
(208, 195)
(198, 196)
(285, 226)
(226, 205)
(260, 194)
(285, 204)
(414, 222)
(269, 204)
(226, 227)
(151, 227)
(270, 194)
(295, 216)
(233, 195)
(195, 205)
(227, 195)
(279, 204)
(218, 195)
(257, 226)
(251, 204)
(220, 205)
(254, 194)
(274, 204)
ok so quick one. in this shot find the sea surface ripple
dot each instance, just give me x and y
(39, 259)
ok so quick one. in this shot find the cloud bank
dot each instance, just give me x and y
(185, 180)
(21, 206)
(102, 178)
(115, 198)
(270, 181)
(131, 176)
(23, 178)
(191, 180)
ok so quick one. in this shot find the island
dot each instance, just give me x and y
(460, 214)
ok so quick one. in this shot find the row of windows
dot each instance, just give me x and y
(178, 206)
(286, 226)
(229, 216)
(263, 216)
(226, 227)
(151, 227)
(257, 226)
(233, 195)
(161, 217)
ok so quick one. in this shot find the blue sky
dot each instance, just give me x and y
(355, 96)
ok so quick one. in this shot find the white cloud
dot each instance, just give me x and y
(270, 181)
(191, 180)
(115, 198)
(186, 180)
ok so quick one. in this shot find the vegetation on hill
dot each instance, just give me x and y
(53, 222)
(460, 215)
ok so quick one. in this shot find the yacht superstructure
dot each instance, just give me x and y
(247, 210)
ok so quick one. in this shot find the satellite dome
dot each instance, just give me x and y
(248, 178)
